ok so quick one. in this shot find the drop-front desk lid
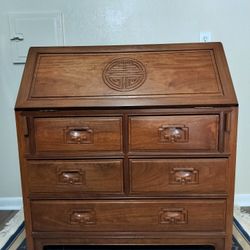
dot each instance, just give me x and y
(126, 76)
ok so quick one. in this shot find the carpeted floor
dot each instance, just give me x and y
(12, 234)
(241, 229)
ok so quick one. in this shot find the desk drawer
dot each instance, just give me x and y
(174, 133)
(178, 176)
(128, 216)
(75, 177)
(76, 135)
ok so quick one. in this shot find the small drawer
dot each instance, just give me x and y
(178, 176)
(129, 216)
(174, 133)
(75, 177)
(77, 135)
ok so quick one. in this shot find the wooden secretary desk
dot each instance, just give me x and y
(127, 145)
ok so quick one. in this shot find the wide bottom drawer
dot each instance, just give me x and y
(124, 216)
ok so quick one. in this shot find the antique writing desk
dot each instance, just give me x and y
(127, 145)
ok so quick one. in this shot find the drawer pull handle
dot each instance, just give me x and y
(79, 135)
(173, 216)
(83, 217)
(72, 177)
(184, 176)
(173, 133)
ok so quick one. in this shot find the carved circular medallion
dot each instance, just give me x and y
(124, 74)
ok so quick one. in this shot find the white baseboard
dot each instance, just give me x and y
(11, 203)
(242, 200)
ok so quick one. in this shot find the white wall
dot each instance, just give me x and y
(94, 22)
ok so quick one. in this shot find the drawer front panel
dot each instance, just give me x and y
(78, 134)
(174, 133)
(171, 215)
(98, 176)
(186, 176)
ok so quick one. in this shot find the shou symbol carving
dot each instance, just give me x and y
(173, 133)
(71, 177)
(83, 217)
(124, 74)
(182, 176)
(173, 216)
(79, 135)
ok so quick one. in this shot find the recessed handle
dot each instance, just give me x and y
(71, 177)
(79, 135)
(173, 216)
(83, 217)
(184, 176)
(173, 133)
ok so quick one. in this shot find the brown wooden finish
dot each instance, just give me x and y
(73, 77)
(22, 130)
(67, 71)
(216, 242)
(179, 176)
(51, 177)
(144, 216)
(127, 145)
(232, 142)
(175, 133)
(78, 134)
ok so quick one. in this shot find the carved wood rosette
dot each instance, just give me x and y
(173, 216)
(124, 74)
